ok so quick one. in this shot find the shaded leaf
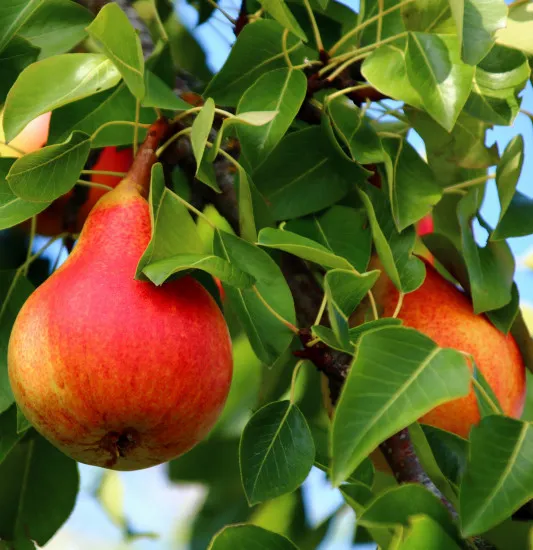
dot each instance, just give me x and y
(397, 375)
(246, 537)
(276, 451)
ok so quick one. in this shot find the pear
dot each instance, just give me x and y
(114, 371)
(445, 314)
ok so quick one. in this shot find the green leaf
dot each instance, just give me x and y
(477, 22)
(89, 114)
(397, 375)
(282, 14)
(428, 16)
(257, 50)
(38, 490)
(158, 94)
(276, 452)
(355, 131)
(497, 81)
(75, 76)
(268, 336)
(450, 452)
(516, 208)
(23, 424)
(429, 463)
(340, 229)
(491, 268)
(19, 291)
(394, 249)
(13, 209)
(424, 532)
(18, 54)
(8, 428)
(48, 173)
(413, 190)
(305, 174)
(56, 26)
(436, 71)
(487, 401)
(518, 32)
(344, 291)
(173, 230)
(281, 90)
(246, 537)
(394, 507)
(114, 32)
(201, 128)
(498, 477)
(300, 246)
(247, 225)
(504, 318)
(14, 14)
(464, 146)
(386, 69)
(158, 272)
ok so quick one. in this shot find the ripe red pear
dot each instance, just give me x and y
(114, 371)
(445, 314)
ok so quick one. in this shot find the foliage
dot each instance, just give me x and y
(295, 152)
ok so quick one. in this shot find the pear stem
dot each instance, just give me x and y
(141, 169)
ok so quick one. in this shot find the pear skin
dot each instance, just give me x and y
(117, 372)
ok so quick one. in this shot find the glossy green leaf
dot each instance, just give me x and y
(498, 477)
(463, 147)
(391, 24)
(8, 428)
(201, 128)
(300, 246)
(159, 95)
(89, 114)
(487, 401)
(120, 42)
(342, 230)
(498, 79)
(394, 507)
(14, 14)
(428, 16)
(411, 185)
(397, 375)
(477, 22)
(281, 90)
(305, 174)
(504, 318)
(246, 537)
(268, 336)
(247, 225)
(406, 271)
(13, 209)
(279, 10)
(436, 71)
(18, 54)
(491, 268)
(158, 272)
(385, 68)
(424, 532)
(518, 32)
(516, 208)
(257, 51)
(75, 77)
(18, 290)
(450, 452)
(50, 172)
(344, 291)
(427, 459)
(38, 490)
(56, 26)
(173, 230)
(276, 452)
(355, 131)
